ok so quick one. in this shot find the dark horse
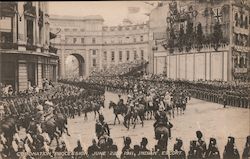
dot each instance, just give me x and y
(133, 114)
(59, 121)
(161, 132)
(119, 108)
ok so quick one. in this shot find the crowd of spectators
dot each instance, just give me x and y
(119, 69)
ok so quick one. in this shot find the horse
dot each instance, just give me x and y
(119, 108)
(9, 128)
(58, 121)
(133, 114)
(161, 134)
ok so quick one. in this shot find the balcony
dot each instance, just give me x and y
(241, 48)
(29, 9)
(8, 9)
(240, 70)
(6, 45)
(242, 30)
(52, 49)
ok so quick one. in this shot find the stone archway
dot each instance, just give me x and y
(81, 66)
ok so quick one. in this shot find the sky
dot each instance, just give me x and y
(113, 12)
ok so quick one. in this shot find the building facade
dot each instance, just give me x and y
(206, 40)
(25, 52)
(97, 46)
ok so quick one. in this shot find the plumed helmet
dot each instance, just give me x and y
(199, 134)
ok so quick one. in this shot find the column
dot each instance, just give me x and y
(87, 63)
(22, 40)
(14, 22)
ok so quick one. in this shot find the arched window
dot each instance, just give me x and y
(236, 19)
(246, 22)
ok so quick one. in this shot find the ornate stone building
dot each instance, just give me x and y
(25, 52)
(206, 40)
(97, 46)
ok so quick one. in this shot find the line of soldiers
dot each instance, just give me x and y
(214, 91)
(198, 149)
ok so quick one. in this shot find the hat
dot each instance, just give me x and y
(231, 139)
(213, 140)
(127, 140)
(248, 139)
(199, 134)
(101, 117)
(144, 141)
(179, 142)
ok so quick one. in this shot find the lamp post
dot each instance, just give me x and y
(154, 48)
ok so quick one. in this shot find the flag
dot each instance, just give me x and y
(133, 10)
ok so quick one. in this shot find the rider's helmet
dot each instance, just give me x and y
(101, 117)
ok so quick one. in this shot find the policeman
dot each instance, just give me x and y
(127, 151)
(246, 152)
(201, 144)
(178, 153)
(212, 151)
(230, 151)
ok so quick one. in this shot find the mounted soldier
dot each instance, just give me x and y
(102, 128)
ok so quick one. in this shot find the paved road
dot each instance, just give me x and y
(212, 119)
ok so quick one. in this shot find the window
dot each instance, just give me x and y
(82, 30)
(105, 55)
(94, 52)
(142, 55)
(82, 40)
(74, 40)
(74, 30)
(246, 22)
(135, 55)
(127, 55)
(93, 40)
(241, 21)
(236, 19)
(120, 55)
(112, 56)
(141, 38)
(134, 40)
(30, 38)
(66, 29)
(94, 62)
(66, 40)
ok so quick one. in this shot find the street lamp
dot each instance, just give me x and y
(154, 48)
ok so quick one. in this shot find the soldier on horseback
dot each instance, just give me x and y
(162, 121)
(102, 128)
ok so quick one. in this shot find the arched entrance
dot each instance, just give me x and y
(74, 66)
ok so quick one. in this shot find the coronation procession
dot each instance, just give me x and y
(169, 81)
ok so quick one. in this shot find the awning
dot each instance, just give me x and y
(52, 35)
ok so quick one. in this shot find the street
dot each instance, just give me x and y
(212, 119)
